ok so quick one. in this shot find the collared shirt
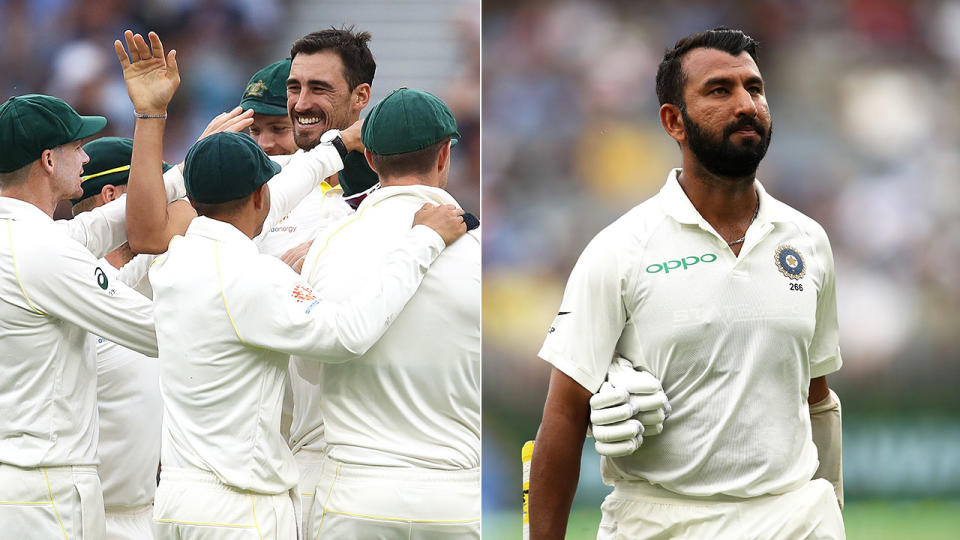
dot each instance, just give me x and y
(52, 293)
(130, 411)
(227, 318)
(321, 208)
(734, 340)
(413, 400)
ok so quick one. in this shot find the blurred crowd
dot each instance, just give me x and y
(865, 97)
(65, 48)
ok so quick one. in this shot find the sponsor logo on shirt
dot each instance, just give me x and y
(680, 264)
(102, 280)
(790, 263)
(302, 293)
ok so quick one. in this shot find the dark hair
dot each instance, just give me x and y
(417, 162)
(670, 76)
(224, 209)
(358, 64)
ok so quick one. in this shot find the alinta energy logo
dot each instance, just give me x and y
(680, 264)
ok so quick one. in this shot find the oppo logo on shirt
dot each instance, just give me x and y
(682, 264)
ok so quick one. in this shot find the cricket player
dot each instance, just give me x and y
(128, 383)
(727, 297)
(329, 84)
(54, 294)
(228, 318)
(266, 96)
(403, 420)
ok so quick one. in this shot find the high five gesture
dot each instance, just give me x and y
(151, 77)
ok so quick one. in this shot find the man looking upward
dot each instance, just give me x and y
(727, 296)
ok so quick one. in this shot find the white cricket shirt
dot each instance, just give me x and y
(734, 340)
(322, 207)
(130, 411)
(53, 293)
(413, 400)
(227, 318)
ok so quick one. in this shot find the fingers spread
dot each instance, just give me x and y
(172, 63)
(131, 46)
(143, 50)
(156, 45)
(121, 54)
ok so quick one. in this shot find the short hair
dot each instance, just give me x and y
(224, 209)
(416, 163)
(16, 177)
(358, 64)
(91, 202)
(671, 79)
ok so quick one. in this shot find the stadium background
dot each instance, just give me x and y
(65, 48)
(865, 96)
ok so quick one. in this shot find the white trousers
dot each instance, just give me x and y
(386, 503)
(640, 511)
(309, 466)
(192, 505)
(51, 502)
(130, 524)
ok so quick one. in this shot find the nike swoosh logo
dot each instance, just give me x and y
(562, 313)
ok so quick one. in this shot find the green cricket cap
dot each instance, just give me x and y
(406, 121)
(32, 123)
(226, 166)
(109, 164)
(266, 93)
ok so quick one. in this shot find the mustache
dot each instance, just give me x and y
(745, 122)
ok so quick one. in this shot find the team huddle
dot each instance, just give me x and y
(286, 324)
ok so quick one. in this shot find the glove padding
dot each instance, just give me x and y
(629, 404)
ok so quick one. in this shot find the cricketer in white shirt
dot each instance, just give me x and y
(403, 420)
(734, 340)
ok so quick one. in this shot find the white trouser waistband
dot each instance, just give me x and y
(627, 489)
(406, 474)
(207, 478)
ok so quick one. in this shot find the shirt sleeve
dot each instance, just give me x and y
(104, 228)
(135, 274)
(583, 336)
(293, 320)
(65, 281)
(825, 346)
(301, 175)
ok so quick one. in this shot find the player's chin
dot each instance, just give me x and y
(306, 141)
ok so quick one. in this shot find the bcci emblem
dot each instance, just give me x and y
(790, 263)
(255, 89)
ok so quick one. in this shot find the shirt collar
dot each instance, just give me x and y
(429, 193)
(11, 208)
(218, 230)
(677, 205)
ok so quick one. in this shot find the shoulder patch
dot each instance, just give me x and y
(302, 293)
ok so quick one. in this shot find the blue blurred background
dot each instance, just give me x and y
(865, 96)
(65, 48)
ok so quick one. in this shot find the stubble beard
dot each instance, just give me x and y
(723, 157)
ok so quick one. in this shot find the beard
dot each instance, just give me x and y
(724, 157)
(339, 119)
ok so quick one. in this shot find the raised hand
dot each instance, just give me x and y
(151, 77)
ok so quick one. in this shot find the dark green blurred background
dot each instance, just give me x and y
(865, 96)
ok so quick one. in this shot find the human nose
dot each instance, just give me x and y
(302, 102)
(86, 158)
(746, 105)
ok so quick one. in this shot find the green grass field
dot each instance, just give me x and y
(864, 520)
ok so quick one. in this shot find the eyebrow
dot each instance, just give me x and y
(312, 82)
(726, 81)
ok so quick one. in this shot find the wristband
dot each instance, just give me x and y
(139, 115)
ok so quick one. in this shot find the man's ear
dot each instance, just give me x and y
(109, 193)
(47, 161)
(360, 97)
(260, 197)
(367, 154)
(672, 121)
(443, 157)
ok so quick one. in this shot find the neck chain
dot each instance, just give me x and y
(744, 237)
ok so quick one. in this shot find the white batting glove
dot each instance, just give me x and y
(628, 405)
(647, 399)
